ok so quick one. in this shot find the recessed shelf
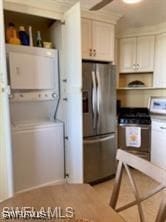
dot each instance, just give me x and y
(140, 88)
(135, 73)
(126, 80)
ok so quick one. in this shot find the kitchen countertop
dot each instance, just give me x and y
(158, 117)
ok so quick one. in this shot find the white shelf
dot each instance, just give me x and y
(140, 88)
(31, 49)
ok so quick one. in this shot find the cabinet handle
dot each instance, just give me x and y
(138, 66)
(163, 128)
(17, 70)
(94, 52)
(90, 52)
(134, 67)
(65, 99)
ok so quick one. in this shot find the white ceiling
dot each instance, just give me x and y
(147, 12)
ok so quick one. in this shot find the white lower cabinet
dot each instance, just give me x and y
(158, 143)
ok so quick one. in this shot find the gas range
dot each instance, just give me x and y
(140, 121)
(129, 115)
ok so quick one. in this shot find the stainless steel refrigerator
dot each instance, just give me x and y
(99, 121)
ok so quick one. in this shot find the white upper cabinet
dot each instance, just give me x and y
(159, 79)
(145, 53)
(127, 54)
(103, 40)
(86, 38)
(97, 40)
(137, 54)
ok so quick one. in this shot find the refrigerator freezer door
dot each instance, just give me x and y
(89, 99)
(106, 98)
(99, 158)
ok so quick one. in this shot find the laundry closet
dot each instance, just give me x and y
(44, 93)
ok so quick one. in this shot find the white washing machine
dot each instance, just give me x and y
(38, 154)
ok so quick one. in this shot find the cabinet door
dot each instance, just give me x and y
(128, 55)
(6, 180)
(145, 53)
(160, 64)
(73, 121)
(86, 38)
(103, 41)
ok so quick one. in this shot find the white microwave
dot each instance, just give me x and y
(157, 105)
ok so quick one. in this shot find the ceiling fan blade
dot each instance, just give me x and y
(101, 5)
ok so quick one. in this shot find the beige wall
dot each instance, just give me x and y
(138, 98)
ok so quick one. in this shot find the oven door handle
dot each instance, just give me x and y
(142, 127)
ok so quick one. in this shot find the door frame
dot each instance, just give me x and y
(6, 175)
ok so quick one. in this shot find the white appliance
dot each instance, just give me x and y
(158, 138)
(37, 139)
(32, 68)
(38, 154)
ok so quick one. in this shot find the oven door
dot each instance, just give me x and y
(145, 138)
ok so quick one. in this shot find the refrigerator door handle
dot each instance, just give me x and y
(94, 99)
(102, 139)
(98, 92)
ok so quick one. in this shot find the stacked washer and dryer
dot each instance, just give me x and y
(37, 137)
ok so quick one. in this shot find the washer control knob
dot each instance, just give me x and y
(54, 95)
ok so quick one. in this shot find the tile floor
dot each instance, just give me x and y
(144, 184)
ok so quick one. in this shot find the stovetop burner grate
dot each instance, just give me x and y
(134, 116)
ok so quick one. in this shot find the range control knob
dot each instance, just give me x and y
(54, 95)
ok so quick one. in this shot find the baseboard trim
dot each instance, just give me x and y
(62, 181)
(101, 180)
